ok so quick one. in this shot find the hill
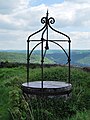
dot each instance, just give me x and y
(20, 57)
(78, 57)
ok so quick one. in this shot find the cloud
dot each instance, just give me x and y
(10, 6)
(78, 1)
(31, 17)
(19, 18)
(13, 39)
(73, 16)
(46, 2)
(24, 19)
(28, 18)
(80, 40)
(6, 7)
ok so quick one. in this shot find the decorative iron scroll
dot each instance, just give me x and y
(47, 25)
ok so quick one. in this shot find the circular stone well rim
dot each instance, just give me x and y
(49, 88)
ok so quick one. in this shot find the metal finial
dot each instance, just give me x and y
(47, 13)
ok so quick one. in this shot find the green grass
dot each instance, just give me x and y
(85, 115)
(12, 102)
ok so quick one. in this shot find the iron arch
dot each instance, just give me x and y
(49, 41)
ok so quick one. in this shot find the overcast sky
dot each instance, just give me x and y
(20, 18)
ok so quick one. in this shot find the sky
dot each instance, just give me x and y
(20, 18)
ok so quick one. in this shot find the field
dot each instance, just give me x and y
(14, 106)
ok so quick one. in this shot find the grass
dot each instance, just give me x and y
(85, 115)
(9, 77)
(14, 106)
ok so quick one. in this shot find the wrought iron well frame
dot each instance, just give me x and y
(47, 24)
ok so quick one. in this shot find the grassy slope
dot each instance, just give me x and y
(11, 78)
(21, 58)
(13, 57)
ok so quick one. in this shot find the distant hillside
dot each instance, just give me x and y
(12, 57)
(20, 57)
(78, 57)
